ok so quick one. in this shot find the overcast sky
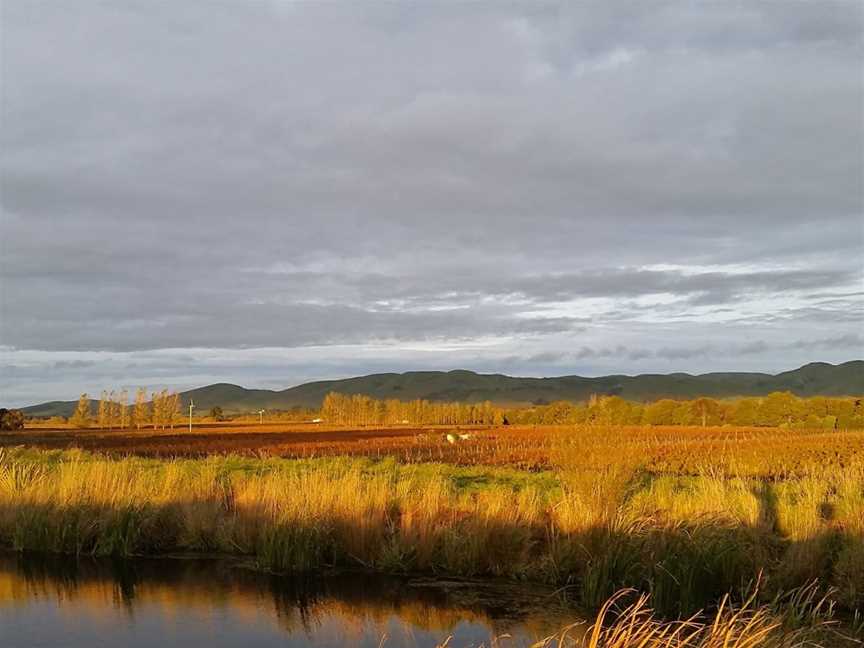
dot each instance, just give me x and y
(270, 192)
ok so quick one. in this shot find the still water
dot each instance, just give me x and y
(61, 602)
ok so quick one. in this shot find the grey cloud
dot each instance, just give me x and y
(285, 325)
(589, 352)
(757, 346)
(847, 313)
(547, 357)
(674, 353)
(73, 364)
(851, 341)
(347, 174)
(301, 308)
(638, 354)
(622, 353)
(707, 287)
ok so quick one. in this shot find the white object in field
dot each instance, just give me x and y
(261, 416)
(464, 437)
(451, 438)
(318, 420)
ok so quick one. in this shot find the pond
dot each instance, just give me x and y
(69, 603)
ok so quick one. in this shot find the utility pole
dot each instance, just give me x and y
(261, 416)
(191, 405)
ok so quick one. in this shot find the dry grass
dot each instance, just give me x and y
(746, 626)
(688, 518)
(600, 522)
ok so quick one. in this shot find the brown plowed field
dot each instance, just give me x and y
(299, 440)
(672, 450)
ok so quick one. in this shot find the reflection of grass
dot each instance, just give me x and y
(370, 605)
(188, 587)
(687, 539)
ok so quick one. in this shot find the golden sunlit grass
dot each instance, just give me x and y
(605, 518)
(691, 518)
(744, 627)
(626, 620)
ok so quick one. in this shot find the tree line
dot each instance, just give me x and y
(358, 409)
(160, 409)
(778, 409)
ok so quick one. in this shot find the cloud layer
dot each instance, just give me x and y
(531, 188)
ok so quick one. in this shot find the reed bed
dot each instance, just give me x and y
(686, 540)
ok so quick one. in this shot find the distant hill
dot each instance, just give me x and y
(815, 379)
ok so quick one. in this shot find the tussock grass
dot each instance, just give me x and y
(745, 626)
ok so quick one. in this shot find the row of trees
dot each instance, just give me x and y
(113, 411)
(357, 409)
(781, 409)
(161, 409)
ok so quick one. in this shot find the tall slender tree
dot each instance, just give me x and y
(141, 413)
(172, 408)
(102, 413)
(124, 409)
(160, 409)
(157, 409)
(81, 417)
(113, 410)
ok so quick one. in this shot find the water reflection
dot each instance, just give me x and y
(63, 602)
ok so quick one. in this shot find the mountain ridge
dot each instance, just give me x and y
(813, 379)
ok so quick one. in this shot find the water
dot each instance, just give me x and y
(63, 603)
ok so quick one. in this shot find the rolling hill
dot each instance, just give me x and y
(815, 379)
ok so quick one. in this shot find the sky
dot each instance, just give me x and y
(267, 193)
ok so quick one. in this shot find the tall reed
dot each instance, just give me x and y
(686, 540)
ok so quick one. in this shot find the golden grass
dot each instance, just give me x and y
(747, 626)
(688, 539)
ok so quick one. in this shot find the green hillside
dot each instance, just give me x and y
(810, 380)
(816, 379)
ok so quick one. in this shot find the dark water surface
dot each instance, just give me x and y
(61, 602)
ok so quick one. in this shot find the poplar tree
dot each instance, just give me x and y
(113, 410)
(158, 409)
(142, 411)
(124, 409)
(81, 417)
(172, 408)
(102, 411)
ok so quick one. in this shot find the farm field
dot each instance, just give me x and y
(752, 451)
